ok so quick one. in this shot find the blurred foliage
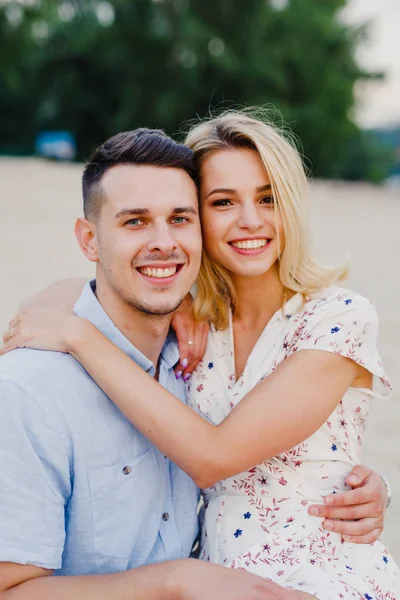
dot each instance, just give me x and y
(95, 67)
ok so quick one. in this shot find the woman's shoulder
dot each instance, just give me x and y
(335, 300)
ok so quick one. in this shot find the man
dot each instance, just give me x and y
(83, 494)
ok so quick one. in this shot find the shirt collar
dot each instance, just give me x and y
(90, 308)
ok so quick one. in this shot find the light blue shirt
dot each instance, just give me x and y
(81, 490)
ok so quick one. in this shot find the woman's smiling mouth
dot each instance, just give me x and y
(250, 246)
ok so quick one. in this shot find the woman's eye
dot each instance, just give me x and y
(179, 220)
(134, 222)
(223, 202)
(267, 200)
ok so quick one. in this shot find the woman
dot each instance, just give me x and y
(285, 383)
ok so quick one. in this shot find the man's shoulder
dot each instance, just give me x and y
(42, 376)
(25, 365)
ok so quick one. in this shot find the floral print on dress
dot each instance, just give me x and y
(258, 520)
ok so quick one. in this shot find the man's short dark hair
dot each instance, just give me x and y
(138, 147)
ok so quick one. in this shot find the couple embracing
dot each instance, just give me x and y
(108, 430)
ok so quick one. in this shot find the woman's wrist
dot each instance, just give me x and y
(78, 335)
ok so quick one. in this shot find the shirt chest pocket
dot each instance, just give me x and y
(124, 500)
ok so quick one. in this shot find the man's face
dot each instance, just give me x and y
(148, 236)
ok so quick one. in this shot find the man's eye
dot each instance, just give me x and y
(223, 202)
(267, 200)
(179, 220)
(134, 222)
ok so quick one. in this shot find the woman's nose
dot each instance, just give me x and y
(250, 218)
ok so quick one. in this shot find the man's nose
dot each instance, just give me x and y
(161, 239)
(250, 217)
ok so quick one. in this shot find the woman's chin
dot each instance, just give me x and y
(249, 270)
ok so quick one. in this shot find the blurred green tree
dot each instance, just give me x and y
(96, 67)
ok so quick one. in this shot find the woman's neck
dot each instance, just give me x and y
(258, 298)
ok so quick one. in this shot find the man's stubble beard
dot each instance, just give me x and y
(135, 303)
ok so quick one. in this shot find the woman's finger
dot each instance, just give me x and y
(14, 343)
(182, 334)
(186, 348)
(200, 343)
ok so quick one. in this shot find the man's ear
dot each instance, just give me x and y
(85, 232)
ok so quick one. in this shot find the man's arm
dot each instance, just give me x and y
(23, 582)
(173, 580)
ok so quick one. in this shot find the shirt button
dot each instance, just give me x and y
(126, 470)
(165, 516)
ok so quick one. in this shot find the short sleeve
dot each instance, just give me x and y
(34, 482)
(346, 324)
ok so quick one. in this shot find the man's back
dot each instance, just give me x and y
(82, 491)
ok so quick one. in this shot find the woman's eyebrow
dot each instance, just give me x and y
(221, 191)
(264, 188)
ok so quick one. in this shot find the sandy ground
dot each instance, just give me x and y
(39, 203)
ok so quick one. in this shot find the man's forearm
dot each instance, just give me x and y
(152, 582)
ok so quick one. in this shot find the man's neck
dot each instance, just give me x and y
(146, 332)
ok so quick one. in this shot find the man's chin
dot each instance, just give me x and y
(158, 309)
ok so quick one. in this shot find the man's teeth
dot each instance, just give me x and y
(250, 244)
(159, 273)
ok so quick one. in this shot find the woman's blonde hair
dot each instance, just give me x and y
(298, 269)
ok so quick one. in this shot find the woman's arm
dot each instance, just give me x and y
(63, 292)
(279, 413)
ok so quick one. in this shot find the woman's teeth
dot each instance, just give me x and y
(250, 244)
(159, 273)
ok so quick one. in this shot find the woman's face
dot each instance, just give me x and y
(238, 216)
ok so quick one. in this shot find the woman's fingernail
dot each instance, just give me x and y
(314, 512)
(328, 500)
(178, 374)
(346, 538)
(184, 363)
(328, 525)
(186, 377)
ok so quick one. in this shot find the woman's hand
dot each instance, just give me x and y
(43, 329)
(192, 338)
(359, 513)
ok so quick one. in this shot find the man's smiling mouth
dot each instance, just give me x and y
(160, 272)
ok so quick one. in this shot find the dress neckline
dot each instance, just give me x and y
(283, 314)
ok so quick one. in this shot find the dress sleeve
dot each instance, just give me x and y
(345, 324)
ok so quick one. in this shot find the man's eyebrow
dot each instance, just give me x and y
(178, 210)
(184, 209)
(132, 211)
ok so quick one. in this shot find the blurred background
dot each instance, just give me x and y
(74, 72)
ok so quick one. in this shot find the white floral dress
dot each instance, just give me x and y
(258, 520)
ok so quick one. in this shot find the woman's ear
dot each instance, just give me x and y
(85, 232)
